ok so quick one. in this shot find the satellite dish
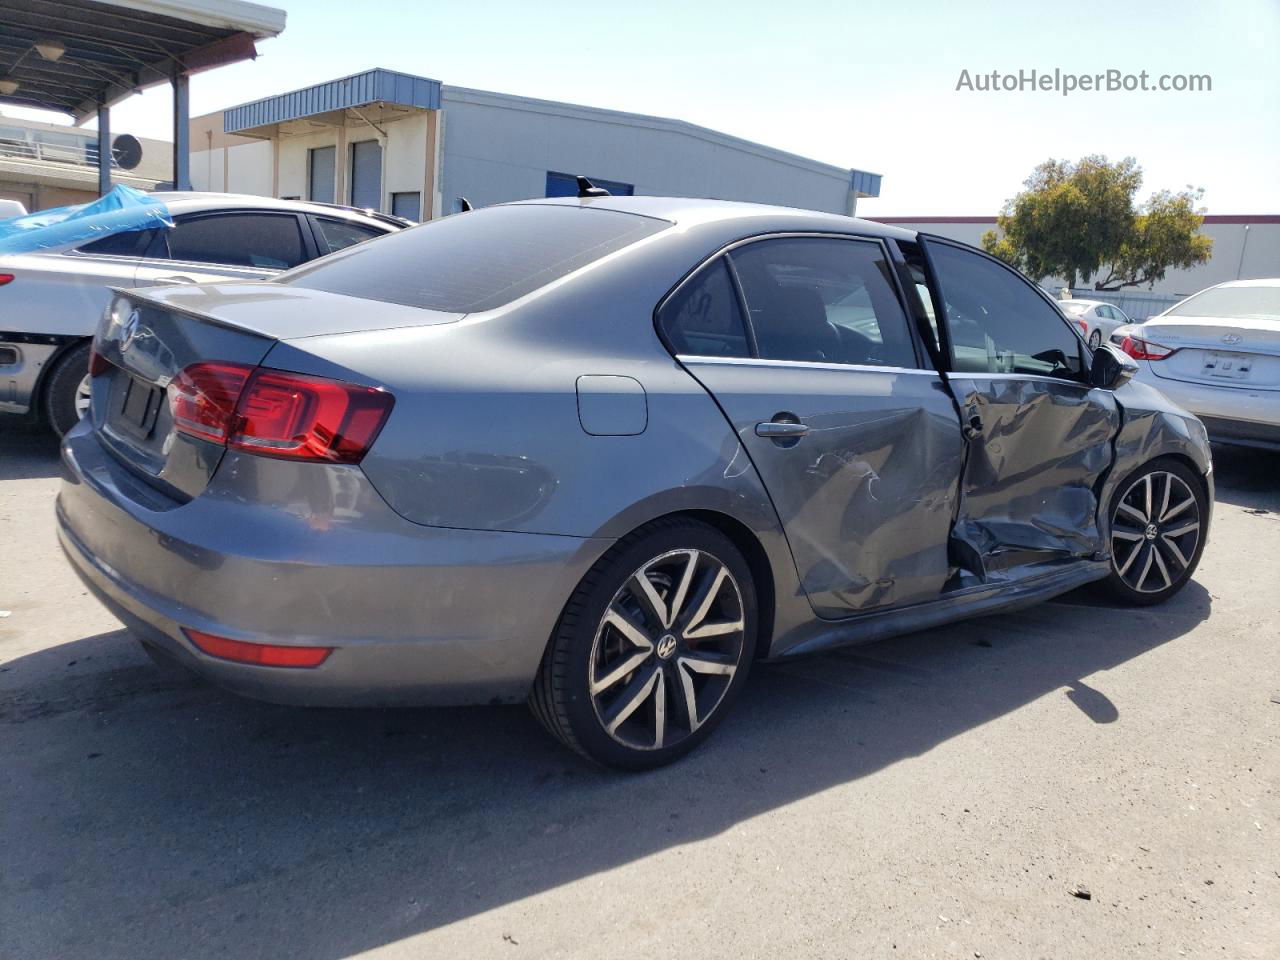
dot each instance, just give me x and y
(126, 151)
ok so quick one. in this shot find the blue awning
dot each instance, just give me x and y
(359, 90)
(864, 184)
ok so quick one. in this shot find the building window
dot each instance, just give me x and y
(566, 185)
(407, 205)
(321, 171)
(366, 175)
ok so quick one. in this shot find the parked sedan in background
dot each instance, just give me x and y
(1217, 354)
(603, 454)
(1097, 319)
(51, 299)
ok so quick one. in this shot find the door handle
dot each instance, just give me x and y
(781, 430)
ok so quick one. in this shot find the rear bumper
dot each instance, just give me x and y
(1232, 414)
(1265, 436)
(284, 553)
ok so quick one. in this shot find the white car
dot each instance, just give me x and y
(1096, 318)
(51, 299)
(1217, 354)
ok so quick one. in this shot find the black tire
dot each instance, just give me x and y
(1127, 557)
(1095, 339)
(562, 698)
(60, 391)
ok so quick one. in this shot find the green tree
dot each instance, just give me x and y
(1080, 221)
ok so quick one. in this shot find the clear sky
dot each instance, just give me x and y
(855, 83)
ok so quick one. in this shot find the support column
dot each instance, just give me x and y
(104, 149)
(431, 181)
(342, 165)
(181, 132)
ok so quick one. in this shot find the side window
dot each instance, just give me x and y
(703, 318)
(997, 322)
(339, 234)
(128, 244)
(265, 240)
(823, 299)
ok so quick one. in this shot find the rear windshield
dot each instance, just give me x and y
(478, 260)
(1257, 303)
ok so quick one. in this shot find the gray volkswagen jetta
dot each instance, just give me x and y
(605, 453)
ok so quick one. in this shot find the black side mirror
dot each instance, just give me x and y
(1112, 368)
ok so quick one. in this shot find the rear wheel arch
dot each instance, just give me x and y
(761, 570)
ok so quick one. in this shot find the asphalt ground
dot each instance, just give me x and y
(954, 793)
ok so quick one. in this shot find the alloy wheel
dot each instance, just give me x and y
(666, 649)
(1155, 531)
(1095, 339)
(83, 396)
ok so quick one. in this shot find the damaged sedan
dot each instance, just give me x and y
(603, 454)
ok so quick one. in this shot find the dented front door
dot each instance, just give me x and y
(1037, 448)
(1039, 439)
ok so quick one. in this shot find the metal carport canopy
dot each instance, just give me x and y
(81, 56)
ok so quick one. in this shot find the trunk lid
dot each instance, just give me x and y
(1224, 352)
(146, 346)
(286, 312)
(151, 335)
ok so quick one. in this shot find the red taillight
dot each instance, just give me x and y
(5, 278)
(258, 654)
(1141, 349)
(278, 414)
(1084, 325)
(202, 399)
(308, 418)
(97, 363)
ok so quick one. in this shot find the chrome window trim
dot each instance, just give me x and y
(701, 360)
(1046, 378)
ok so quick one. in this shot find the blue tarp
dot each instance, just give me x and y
(124, 208)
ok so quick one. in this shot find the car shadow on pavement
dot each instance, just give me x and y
(148, 815)
(1247, 478)
(27, 450)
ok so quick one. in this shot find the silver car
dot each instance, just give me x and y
(1217, 353)
(51, 299)
(603, 454)
(1096, 318)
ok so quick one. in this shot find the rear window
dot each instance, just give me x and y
(478, 260)
(1254, 303)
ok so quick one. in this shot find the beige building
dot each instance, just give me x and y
(46, 165)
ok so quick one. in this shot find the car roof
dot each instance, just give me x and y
(1262, 282)
(1087, 303)
(689, 210)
